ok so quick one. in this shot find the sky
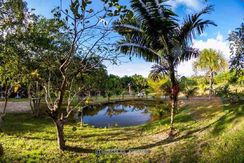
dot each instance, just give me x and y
(228, 15)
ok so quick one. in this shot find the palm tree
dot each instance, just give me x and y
(212, 62)
(154, 33)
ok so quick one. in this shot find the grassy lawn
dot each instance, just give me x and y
(208, 131)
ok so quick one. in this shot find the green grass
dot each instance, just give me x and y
(15, 100)
(208, 131)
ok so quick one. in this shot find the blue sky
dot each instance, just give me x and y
(228, 15)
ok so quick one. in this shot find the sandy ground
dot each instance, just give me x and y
(16, 107)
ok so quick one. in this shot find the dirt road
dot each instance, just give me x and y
(16, 107)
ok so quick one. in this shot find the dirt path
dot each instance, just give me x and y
(16, 107)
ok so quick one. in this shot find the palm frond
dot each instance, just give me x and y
(156, 19)
(188, 54)
(193, 23)
(139, 50)
(158, 71)
(127, 28)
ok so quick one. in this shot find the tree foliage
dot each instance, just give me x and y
(210, 60)
(236, 39)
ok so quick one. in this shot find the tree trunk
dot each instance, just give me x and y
(5, 104)
(35, 106)
(81, 118)
(174, 98)
(172, 117)
(80, 115)
(60, 134)
(211, 85)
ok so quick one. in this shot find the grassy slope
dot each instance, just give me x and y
(209, 131)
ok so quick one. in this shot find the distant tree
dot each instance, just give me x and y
(155, 34)
(94, 81)
(125, 80)
(212, 62)
(139, 82)
(113, 86)
(236, 39)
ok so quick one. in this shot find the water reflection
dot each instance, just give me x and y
(122, 114)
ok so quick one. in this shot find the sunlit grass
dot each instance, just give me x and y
(208, 131)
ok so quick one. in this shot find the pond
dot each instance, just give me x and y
(122, 114)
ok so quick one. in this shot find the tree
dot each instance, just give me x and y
(212, 62)
(13, 19)
(86, 33)
(125, 80)
(113, 86)
(139, 82)
(236, 39)
(94, 81)
(155, 34)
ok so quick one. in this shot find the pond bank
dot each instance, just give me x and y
(114, 101)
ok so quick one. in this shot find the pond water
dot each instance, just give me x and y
(122, 114)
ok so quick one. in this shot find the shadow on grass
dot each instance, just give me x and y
(38, 138)
(168, 140)
(79, 149)
(182, 116)
(25, 122)
(232, 112)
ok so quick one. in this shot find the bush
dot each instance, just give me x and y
(223, 91)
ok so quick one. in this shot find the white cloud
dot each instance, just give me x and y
(134, 67)
(218, 43)
(190, 4)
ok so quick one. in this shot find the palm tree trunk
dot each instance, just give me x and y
(173, 108)
(173, 99)
(211, 85)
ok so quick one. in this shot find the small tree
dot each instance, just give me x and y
(86, 31)
(158, 86)
(212, 62)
